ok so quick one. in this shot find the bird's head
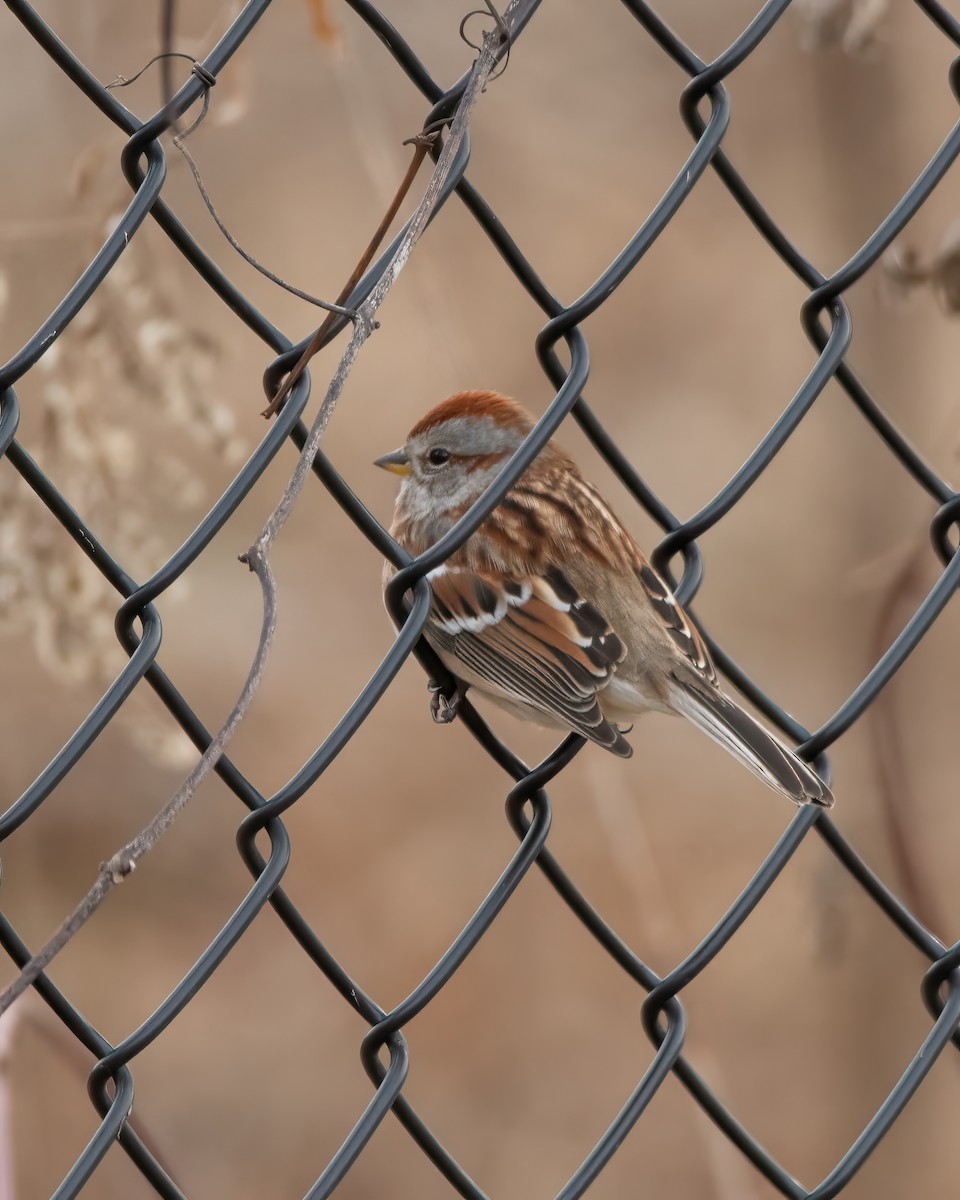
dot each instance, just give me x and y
(456, 450)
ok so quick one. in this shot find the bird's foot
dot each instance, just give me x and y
(443, 708)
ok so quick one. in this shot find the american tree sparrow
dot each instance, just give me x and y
(550, 608)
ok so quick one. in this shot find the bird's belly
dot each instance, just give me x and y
(623, 701)
(516, 708)
(620, 701)
(505, 700)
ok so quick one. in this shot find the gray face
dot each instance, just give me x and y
(452, 463)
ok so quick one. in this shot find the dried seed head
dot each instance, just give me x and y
(128, 374)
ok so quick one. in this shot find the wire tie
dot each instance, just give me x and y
(204, 75)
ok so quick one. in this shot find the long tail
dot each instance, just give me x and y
(747, 740)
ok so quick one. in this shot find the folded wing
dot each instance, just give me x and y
(533, 638)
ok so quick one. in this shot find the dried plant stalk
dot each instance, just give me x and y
(117, 868)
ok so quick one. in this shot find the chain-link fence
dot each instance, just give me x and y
(705, 108)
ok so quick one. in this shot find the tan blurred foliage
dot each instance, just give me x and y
(805, 1020)
(321, 22)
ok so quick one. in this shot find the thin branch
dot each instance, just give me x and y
(117, 868)
(179, 141)
(421, 144)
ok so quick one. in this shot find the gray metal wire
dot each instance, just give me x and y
(826, 322)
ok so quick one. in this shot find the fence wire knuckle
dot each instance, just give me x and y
(825, 320)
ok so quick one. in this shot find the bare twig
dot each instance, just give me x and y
(122, 81)
(421, 145)
(180, 139)
(117, 868)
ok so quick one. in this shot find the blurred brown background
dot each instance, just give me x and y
(805, 1021)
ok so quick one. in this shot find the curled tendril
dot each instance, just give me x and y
(209, 80)
(121, 81)
(500, 24)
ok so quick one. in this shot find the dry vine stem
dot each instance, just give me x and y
(421, 143)
(125, 860)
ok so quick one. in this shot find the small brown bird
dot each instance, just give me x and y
(550, 608)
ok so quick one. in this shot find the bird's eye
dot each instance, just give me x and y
(438, 456)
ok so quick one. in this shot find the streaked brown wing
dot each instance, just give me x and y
(681, 630)
(591, 524)
(534, 639)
